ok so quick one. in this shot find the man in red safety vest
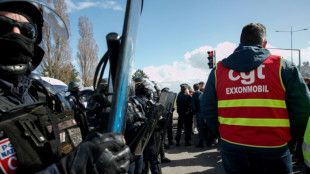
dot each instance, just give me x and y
(256, 102)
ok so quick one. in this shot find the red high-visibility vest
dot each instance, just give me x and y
(251, 106)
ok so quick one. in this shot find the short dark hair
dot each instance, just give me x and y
(196, 86)
(253, 34)
(201, 83)
(307, 79)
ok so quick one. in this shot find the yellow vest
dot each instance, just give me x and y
(306, 145)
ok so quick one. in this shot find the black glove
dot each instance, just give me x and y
(105, 153)
(102, 99)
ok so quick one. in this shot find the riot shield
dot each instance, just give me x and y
(120, 55)
(139, 143)
(167, 100)
(122, 79)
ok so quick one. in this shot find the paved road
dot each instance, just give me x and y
(197, 160)
(192, 159)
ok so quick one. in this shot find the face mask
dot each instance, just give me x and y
(16, 53)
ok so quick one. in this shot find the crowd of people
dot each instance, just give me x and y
(190, 118)
(255, 104)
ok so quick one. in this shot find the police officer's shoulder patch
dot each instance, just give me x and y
(8, 157)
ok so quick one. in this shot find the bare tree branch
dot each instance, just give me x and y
(87, 51)
(57, 59)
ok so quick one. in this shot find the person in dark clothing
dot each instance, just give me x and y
(38, 127)
(73, 98)
(146, 96)
(195, 105)
(185, 115)
(135, 120)
(159, 131)
(201, 86)
(256, 102)
(170, 123)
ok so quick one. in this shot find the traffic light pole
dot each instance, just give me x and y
(214, 58)
(211, 58)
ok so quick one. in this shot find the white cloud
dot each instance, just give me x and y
(194, 67)
(73, 6)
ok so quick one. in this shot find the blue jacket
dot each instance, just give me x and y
(246, 58)
(195, 103)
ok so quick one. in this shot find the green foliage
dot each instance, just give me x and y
(74, 75)
(139, 73)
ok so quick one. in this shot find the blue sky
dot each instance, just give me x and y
(174, 36)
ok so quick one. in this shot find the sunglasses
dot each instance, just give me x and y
(27, 29)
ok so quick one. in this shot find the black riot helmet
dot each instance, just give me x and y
(73, 86)
(103, 86)
(144, 87)
(156, 86)
(37, 11)
(166, 89)
(21, 53)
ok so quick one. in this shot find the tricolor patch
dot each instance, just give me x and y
(8, 158)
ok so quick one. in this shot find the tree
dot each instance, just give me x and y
(73, 76)
(57, 59)
(87, 51)
(305, 69)
(139, 73)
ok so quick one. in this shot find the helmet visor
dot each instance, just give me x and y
(54, 21)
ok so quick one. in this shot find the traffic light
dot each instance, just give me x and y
(211, 59)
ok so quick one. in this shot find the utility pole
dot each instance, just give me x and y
(291, 31)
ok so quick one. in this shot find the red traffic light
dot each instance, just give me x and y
(210, 53)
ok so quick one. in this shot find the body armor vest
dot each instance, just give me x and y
(41, 132)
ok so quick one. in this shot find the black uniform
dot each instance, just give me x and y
(135, 119)
(34, 121)
(185, 117)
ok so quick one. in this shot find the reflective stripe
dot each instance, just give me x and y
(280, 69)
(252, 103)
(260, 122)
(306, 147)
(306, 153)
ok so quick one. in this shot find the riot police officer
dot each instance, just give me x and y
(73, 98)
(37, 131)
(170, 124)
(135, 120)
(146, 96)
